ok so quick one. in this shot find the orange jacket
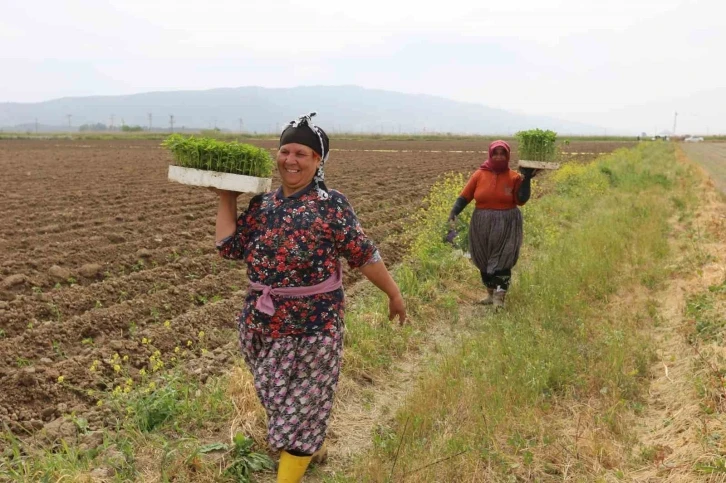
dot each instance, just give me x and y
(493, 191)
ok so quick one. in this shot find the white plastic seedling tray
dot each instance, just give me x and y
(223, 181)
(523, 163)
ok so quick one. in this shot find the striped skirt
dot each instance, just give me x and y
(295, 378)
(495, 237)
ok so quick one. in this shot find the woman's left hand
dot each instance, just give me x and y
(397, 307)
(529, 172)
(377, 273)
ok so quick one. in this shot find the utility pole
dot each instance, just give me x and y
(241, 124)
(149, 122)
(171, 122)
(675, 118)
(36, 125)
(69, 121)
(111, 126)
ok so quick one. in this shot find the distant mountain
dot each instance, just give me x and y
(339, 108)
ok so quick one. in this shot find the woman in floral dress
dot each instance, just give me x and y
(291, 326)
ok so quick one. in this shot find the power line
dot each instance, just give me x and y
(149, 121)
(69, 120)
(171, 122)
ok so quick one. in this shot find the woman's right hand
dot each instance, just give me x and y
(226, 213)
(452, 223)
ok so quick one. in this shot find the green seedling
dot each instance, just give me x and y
(213, 155)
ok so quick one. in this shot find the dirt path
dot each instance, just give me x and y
(712, 156)
(676, 433)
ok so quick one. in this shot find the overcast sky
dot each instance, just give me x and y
(620, 64)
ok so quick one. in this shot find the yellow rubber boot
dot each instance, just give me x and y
(291, 468)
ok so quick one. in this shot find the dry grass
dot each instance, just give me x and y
(249, 417)
(679, 434)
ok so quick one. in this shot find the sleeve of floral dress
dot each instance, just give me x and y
(351, 241)
(233, 246)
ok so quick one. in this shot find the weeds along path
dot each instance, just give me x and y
(681, 431)
(365, 411)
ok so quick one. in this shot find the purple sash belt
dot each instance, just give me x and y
(266, 306)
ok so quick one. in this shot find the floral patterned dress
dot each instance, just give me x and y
(295, 354)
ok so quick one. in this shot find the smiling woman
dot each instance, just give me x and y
(291, 325)
(297, 165)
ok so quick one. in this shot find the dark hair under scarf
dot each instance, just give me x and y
(303, 131)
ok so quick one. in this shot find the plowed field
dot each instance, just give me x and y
(101, 255)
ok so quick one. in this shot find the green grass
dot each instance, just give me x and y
(492, 399)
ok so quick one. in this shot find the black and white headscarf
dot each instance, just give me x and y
(303, 131)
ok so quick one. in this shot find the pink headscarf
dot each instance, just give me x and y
(490, 165)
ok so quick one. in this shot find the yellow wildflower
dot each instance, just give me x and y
(61, 379)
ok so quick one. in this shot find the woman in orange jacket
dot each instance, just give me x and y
(495, 233)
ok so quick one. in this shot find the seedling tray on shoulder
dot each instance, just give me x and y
(209, 162)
